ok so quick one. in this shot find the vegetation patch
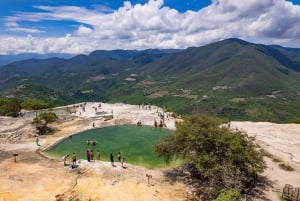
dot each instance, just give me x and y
(266, 153)
(286, 167)
(296, 120)
(276, 160)
(220, 157)
(236, 100)
(158, 94)
(229, 195)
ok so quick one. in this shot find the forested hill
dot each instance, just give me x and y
(231, 78)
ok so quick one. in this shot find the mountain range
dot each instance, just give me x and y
(232, 78)
(6, 59)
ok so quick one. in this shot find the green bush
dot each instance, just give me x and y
(286, 167)
(35, 104)
(296, 120)
(9, 107)
(229, 195)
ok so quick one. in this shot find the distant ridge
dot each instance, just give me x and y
(6, 59)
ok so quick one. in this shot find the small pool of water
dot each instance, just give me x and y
(136, 144)
(57, 111)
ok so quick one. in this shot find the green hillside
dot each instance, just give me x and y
(233, 79)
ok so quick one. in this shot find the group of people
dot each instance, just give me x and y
(160, 124)
(91, 142)
(145, 106)
(120, 159)
(74, 160)
(90, 157)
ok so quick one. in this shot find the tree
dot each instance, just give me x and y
(35, 104)
(223, 158)
(42, 121)
(10, 107)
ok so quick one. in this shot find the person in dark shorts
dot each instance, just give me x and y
(112, 159)
(88, 155)
(92, 155)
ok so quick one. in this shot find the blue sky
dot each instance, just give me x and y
(65, 26)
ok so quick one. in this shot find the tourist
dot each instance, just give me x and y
(139, 123)
(73, 160)
(88, 155)
(119, 156)
(92, 155)
(88, 142)
(37, 141)
(112, 159)
(149, 176)
(122, 162)
(64, 158)
(161, 124)
(98, 155)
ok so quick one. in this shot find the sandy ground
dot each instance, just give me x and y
(35, 177)
(282, 141)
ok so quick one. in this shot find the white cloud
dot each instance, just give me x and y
(83, 31)
(15, 27)
(11, 24)
(151, 25)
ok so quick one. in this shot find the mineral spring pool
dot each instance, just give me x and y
(57, 111)
(136, 144)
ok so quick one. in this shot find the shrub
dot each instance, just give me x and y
(296, 120)
(229, 195)
(286, 167)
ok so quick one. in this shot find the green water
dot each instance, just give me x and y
(136, 144)
(57, 111)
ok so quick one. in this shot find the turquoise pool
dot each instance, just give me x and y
(136, 144)
(57, 111)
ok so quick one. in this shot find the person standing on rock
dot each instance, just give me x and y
(73, 160)
(119, 156)
(64, 158)
(37, 141)
(88, 155)
(92, 155)
(112, 159)
(122, 162)
(98, 155)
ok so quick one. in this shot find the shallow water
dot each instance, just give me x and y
(57, 111)
(136, 144)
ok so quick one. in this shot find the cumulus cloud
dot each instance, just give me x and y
(153, 25)
(83, 31)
